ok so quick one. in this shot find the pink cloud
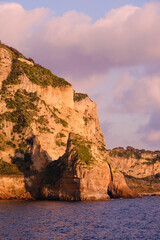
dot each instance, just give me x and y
(74, 45)
(140, 96)
(16, 23)
(154, 136)
(83, 51)
(124, 36)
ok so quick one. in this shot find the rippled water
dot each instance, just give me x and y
(115, 219)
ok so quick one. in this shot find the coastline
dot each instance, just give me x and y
(13, 188)
(157, 194)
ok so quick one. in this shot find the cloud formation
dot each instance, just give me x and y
(17, 24)
(84, 51)
(142, 96)
(74, 45)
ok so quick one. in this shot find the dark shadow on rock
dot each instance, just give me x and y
(118, 187)
(145, 185)
(32, 164)
(61, 181)
(47, 179)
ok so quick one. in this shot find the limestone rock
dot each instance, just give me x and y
(141, 168)
(69, 178)
(39, 112)
(13, 187)
(118, 188)
(40, 158)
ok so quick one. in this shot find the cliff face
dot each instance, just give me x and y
(38, 111)
(141, 168)
(136, 163)
(75, 181)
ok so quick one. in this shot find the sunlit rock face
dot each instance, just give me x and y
(50, 137)
(141, 168)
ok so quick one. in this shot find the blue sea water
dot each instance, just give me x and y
(113, 219)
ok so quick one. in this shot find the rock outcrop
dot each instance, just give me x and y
(13, 187)
(42, 119)
(141, 168)
(134, 162)
(75, 181)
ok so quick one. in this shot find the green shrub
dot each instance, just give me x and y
(42, 76)
(24, 109)
(60, 143)
(61, 135)
(14, 52)
(83, 153)
(79, 96)
(1, 117)
(63, 122)
(23, 146)
(42, 120)
(82, 147)
(10, 143)
(23, 164)
(10, 103)
(44, 129)
(53, 114)
(16, 71)
(85, 120)
(8, 168)
(157, 158)
(36, 73)
(2, 143)
(122, 153)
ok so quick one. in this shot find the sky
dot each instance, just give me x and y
(107, 49)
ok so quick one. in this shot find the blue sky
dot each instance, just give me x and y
(108, 49)
(93, 8)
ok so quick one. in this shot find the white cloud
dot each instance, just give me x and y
(141, 95)
(74, 46)
(16, 24)
(154, 137)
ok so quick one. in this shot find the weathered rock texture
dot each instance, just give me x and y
(13, 187)
(141, 168)
(38, 111)
(75, 181)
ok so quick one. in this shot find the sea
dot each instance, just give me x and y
(112, 219)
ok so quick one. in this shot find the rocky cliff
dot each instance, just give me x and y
(141, 168)
(51, 143)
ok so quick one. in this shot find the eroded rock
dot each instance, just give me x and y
(38, 106)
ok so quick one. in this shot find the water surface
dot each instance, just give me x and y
(114, 219)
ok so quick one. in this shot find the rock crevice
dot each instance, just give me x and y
(50, 137)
